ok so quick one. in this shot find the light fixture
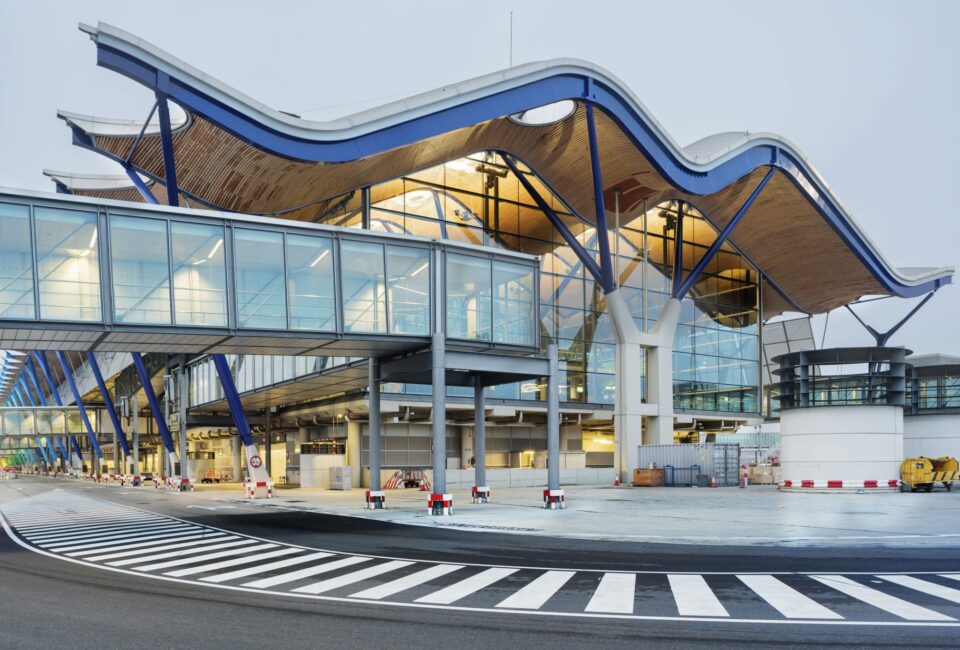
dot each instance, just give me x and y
(319, 258)
(215, 248)
(93, 239)
(423, 266)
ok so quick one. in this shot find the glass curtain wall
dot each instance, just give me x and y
(477, 200)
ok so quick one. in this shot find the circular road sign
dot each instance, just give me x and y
(255, 462)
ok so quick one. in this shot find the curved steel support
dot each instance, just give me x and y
(76, 398)
(108, 402)
(153, 402)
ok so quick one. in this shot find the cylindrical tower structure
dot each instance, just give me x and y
(841, 418)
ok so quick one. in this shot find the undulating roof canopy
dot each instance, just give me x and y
(235, 154)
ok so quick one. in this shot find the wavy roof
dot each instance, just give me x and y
(235, 153)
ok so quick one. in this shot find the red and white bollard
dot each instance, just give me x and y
(374, 499)
(553, 500)
(440, 504)
(480, 494)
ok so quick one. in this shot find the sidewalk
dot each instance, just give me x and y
(758, 515)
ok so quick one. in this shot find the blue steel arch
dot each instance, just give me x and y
(581, 85)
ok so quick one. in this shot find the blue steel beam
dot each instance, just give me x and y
(141, 186)
(678, 249)
(63, 450)
(152, 400)
(166, 142)
(603, 237)
(76, 398)
(41, 358)
(566, 84)
(25, 392)
(233, 399)
(680, 291)
(32, 373)
(108, 402)
(569, 237)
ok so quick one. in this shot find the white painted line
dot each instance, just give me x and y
(152, 542)
(881, 600)
(113, 542)
(785, 599)
(203, 558)
(226, 564)
(306, 573)
(407, 582)
(168, 547)
(951, 576)
(96, 537)
(183, 552)
(614, 594)
(263, 568)
(694, 596)
(84, 523)
(924, 586)
(98, 530)
(466, 586)
(537, 593)
(352, 578)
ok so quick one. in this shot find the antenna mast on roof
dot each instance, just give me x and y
(511, 39)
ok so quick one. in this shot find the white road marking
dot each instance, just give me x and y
(97, 536)
(100, 530)
(352, 578)
(924, 586)
(183, 552)
(203, 558)
(537, 593)
(114, 542)
(154, 549)
(694, 596)
(200, 534)
(226, 564)
(407, 582)
(273, 581)
(785, 599)
(880, 600)
(467, 586)
(264, 568)
(614, 594)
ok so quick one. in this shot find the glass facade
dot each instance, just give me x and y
(68, 264)
(310, 285)
(199, 274)
(478, 200)
(261, 294)
(141, 271)
(16, 263)
(364, 303)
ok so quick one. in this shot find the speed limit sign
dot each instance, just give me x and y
(255, 462)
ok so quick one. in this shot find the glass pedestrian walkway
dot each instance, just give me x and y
(87, 274)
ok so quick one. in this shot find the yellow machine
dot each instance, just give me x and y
(926, 472)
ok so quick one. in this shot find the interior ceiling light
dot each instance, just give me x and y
(546, 114)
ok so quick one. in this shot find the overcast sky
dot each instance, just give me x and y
(868, 90)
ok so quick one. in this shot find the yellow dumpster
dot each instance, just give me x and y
(924, 473)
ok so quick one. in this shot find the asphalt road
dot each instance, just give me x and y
(49, 601)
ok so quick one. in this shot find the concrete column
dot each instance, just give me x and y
(439, 416)
(182, 396)
(268, 442)
(236, 457)
(628, 405)
(479, 436)
(553, 420)
(353, 452)
(135, 433)
(116, 455)
(660, 376)
(376, 428)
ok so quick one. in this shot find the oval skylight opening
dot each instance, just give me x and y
(546, 114)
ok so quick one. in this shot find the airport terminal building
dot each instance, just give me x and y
(532, 276)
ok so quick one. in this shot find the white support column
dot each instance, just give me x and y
(353, 453)
(660, 376)
(237, 458)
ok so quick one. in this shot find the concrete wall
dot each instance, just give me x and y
(931, 435)
(463, 479)
(848, 443)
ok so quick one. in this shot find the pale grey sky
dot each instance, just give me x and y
(869, 90)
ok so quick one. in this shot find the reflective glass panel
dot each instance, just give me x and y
(199, 275)
(261, 293)
(141, 275)
(409, 287)
(310, 283)
(364, 302)
(468, 297)
(16, 262)
(514, 302)
(68, 264)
